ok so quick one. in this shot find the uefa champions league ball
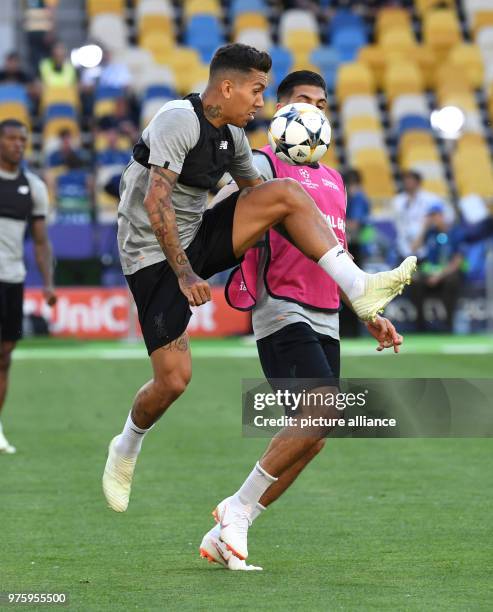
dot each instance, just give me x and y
(299, 134)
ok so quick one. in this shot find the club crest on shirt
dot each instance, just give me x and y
(23, 189)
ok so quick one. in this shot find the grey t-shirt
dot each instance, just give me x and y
(270, 314)
(172, 133)
(12, 268)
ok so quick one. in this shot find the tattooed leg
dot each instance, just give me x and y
(172, 366)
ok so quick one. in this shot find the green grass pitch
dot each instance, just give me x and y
(371, 525)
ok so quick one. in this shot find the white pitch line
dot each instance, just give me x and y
(244, 352)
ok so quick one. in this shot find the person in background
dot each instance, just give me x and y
(23, 201)
(439, 272)
(410, 210)
(357, 214)
(12, 71)
(57, 70)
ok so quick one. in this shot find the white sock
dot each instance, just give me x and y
(339, 265)
(257, 510)
(129, 442)
(254, 487)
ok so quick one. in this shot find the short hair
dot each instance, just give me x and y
(242, 58)
(413, 174)
(299, 77)
(11, 123)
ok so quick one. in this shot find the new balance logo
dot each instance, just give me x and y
(223, 145)
(341, 252)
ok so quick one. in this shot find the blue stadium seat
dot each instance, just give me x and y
(204, 33)
(112, 157)
(108, 93)
(348, 41)
(282, 60)
(58, 111)
(160, 91)
(327, 60)
(413, 122)
(13, 93)
(248, 6)
(346, 19)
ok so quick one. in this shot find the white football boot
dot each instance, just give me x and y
(234, 520)
(5, 447)
(215, 551)
(117, 478)
(382, 288)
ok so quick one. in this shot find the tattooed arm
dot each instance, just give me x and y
(163, 222)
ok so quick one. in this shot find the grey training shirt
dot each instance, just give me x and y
(270, 314)
(12, 268)
(172, 133)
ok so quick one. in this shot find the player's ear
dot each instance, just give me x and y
(278, 106)
(227, 89)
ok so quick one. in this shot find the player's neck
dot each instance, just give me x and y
(213, 110)
(8, 167)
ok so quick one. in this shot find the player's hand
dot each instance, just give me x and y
(385, 334)
(50, 296)
(195, 289)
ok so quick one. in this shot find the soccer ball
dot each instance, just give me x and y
(299, 134)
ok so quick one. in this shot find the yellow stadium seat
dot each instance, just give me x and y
(441, 31)
(362, 123)
(438, 186)
(375, 58)
(302, 41)
(104, 108)
(60, 95)
(482, 19)
(464, 100)
(425, 59)
(96, 7)
(352, 80)
(423, 6)
(330, 158)
(468, 61)
(375, 168)
(160, 45)
(413, 139)
(14, 110)
(186, 80)
(53, 127)
(246, 21)
(392, 17)
(183, 62)
(302, 62)
(101, 143)
(402, 77)
(257, 138)
(420, 153)
(397, 38)
(202, 7)
(161, 24)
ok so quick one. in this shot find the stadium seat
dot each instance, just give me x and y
(105, 99)
(362, 123)
(301, 42)
(467, 60)
(153, 75)
(102, 24)
(354, 79)
(162, 24)
(15, 110)
(194, 8)
(376, 172)
(424, 6)
(397, 40)
(392, 17)
(344, 18)
(441, 31)
(330, 158)
(364, 141)
(184, 62)
(282, 61)
(260, 39)
(14, 93)
(136, 59)
(401, 78)
(247, 21)
(482, 19)
(97, 7)
(257, 138)
(204, 33)
(326, 60)
(359, 105)
(297, 20)
(348, 41)
(159, 45)
(412, 122)
(154, 7)
(375, 58)
(247, 6)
